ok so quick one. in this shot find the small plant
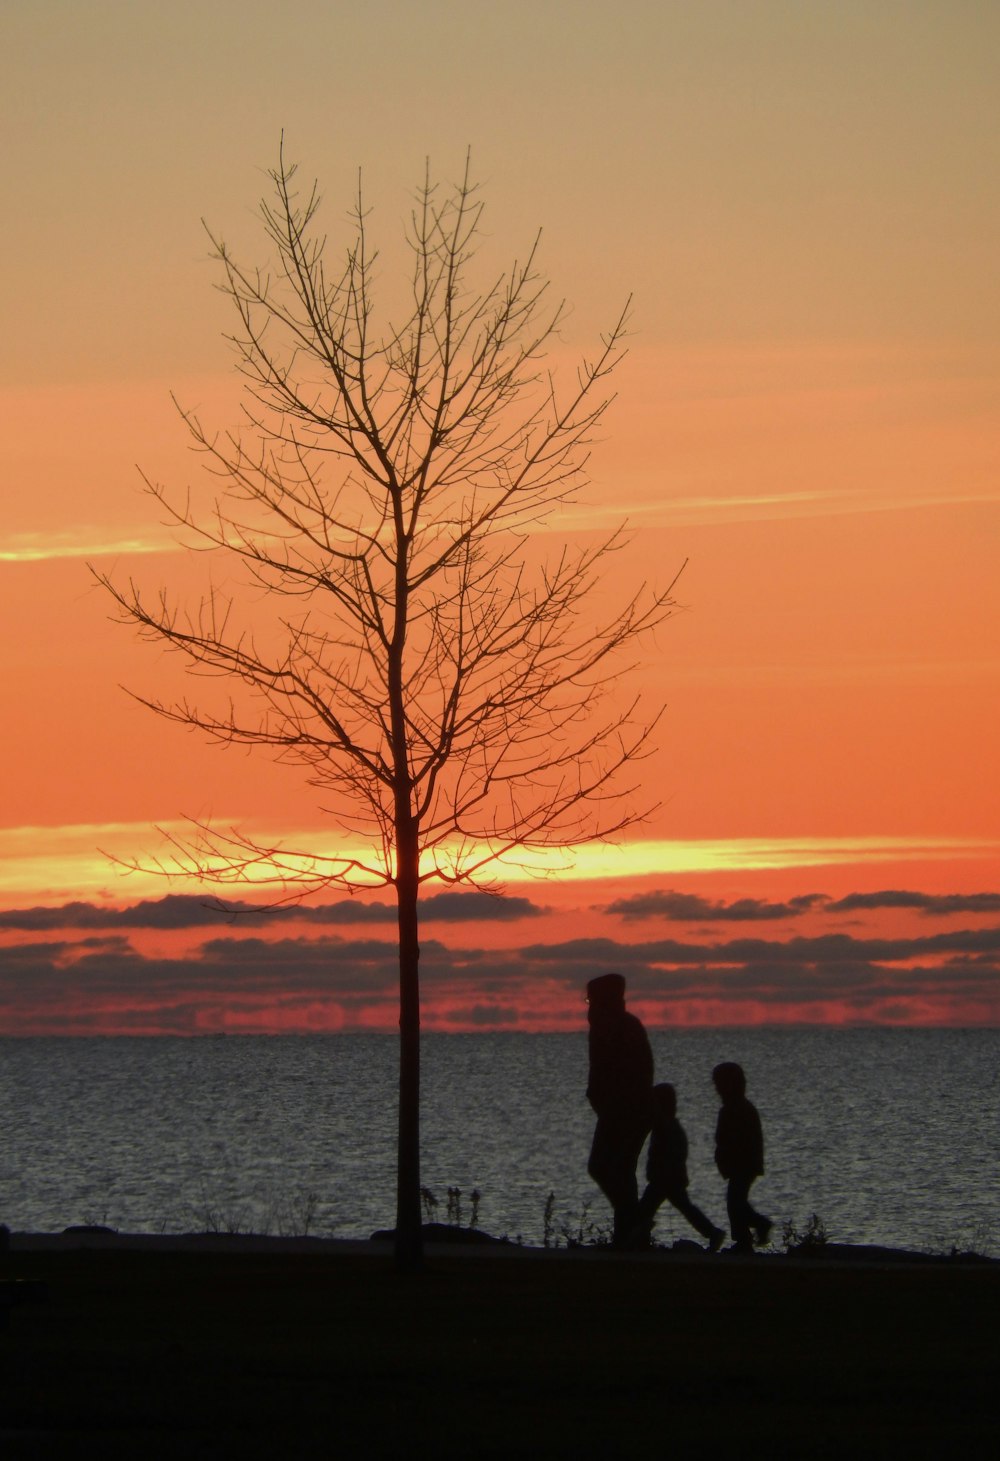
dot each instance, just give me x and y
(230, 1221)
(980, 1243)
(812, 1236)
(454, 1209)
(94, 1218)
(296, 1214)
(212, 1217)
(101, 1191)
(585, 1233)
(548, 1222)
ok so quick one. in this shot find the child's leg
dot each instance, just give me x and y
(649, 1202)
(744, 1220)
(741, 1214)
(761, 1225)
(701, 1224)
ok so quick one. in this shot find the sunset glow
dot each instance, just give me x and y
(804, 203)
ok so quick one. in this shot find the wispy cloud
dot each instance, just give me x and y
(675, 511)
(80, 542)
(87, 542)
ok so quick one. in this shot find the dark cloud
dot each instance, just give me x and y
(691, 908)
(311, 978)
(182, 911)
(935, 905)
(677, 907)
(186, 911)
(476, 907)
(484, 1016)
(18, 953)
(172, 912)
(823, 949)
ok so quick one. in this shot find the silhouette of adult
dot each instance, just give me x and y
(620, 1091)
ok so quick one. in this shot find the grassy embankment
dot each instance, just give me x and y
(333, 1354)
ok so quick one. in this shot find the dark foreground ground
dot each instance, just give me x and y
(224, 1348)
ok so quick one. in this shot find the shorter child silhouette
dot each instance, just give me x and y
(739, 1155)
(666, 1170)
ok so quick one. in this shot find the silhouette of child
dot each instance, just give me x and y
(666, 1170)
(739, 1155)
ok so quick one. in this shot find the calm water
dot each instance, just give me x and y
(891, 1136)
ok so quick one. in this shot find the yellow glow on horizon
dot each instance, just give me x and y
(706, 855)
(51, 865)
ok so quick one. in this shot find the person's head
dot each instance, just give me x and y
(664, 1102)
(729, 1080)
(605, 995)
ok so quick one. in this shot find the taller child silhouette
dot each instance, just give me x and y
(739, 1155)
(620, 1091)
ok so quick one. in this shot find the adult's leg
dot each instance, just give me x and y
(613, 1157)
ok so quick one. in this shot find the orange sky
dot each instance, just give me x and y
(804, 200)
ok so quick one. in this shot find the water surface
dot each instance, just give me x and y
(890, 1136)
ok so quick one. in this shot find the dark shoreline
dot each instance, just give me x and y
(213, 1345)
(442, 1239)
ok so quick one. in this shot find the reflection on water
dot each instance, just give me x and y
(891, 1136)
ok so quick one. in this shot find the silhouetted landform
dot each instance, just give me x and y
(216, 1346)
(872, 1253)
(451, 1237)
(446, 1233)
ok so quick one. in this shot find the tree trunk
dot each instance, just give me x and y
(409, 1233)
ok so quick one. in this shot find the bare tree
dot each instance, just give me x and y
(451, 704)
